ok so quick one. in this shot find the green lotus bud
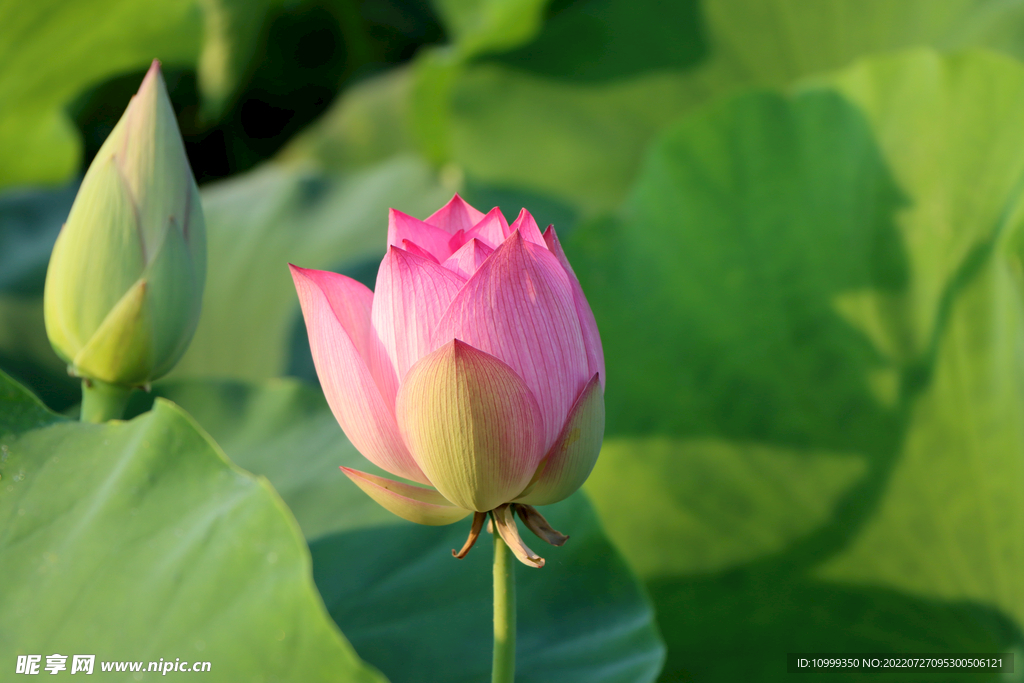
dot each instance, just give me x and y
(125, 281)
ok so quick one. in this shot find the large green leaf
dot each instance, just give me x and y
(258, 223)
(282, 429)
(813, 314)
(139, 541)
(951, 522)
(722, 273)
(953, 497)
(394, 588)
(52, 50)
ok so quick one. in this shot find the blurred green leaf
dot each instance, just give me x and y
(232, 34)
(728, 503)
(138, 540)
(490, 25)
(474, 27)
(260, 222)
(369, 123)
(51, 50)
(578, 141)
(773, 42)
(406, 604)
(600, 40)
(26, 354)
(813, 314)
(29, 223)
(434, 73)
(558, 129)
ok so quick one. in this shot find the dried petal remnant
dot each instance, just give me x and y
(474, 533)
(536, 523)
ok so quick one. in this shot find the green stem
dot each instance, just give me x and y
(504, 667)
(102, 401)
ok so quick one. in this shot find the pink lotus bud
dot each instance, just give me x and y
(475, 367)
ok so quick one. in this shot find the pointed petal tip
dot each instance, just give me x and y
(152, 78)
(456, 214)
(300, 274)
(413, 248)
(404, 252)
(527, 224)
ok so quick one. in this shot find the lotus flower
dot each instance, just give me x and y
(475, 369)
(125, 281)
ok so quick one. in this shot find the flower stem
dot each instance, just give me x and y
(102, 401)
(504, 667)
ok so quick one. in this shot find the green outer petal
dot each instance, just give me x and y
(96, 259)
(571, 459)
(472, 425)
(174, 298)
(195, 234)
(414, 503)
(152, 157)
(121, 350)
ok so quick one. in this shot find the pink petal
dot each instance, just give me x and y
(335, 308)
(456, 241)
(570, 461)
(491, 230)
(468, 259)
(518, 307)
(472, 424)
(414, 248)
(455, 215)
(403, 227)
(591, 336)
(527, 227)
(416, 504)
(411, 295)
